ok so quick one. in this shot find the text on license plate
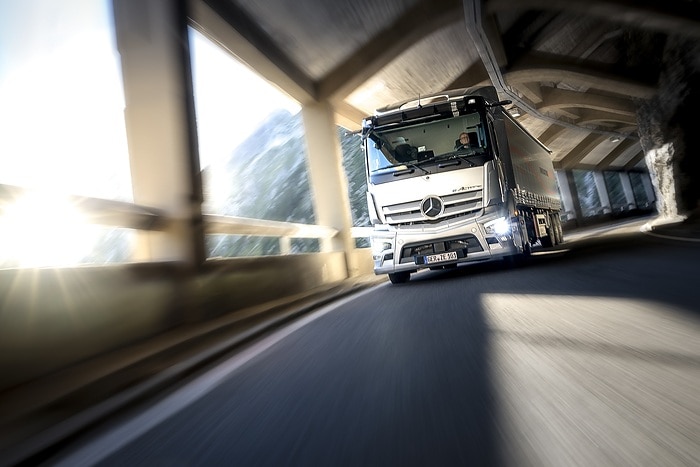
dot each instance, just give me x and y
(450, 255)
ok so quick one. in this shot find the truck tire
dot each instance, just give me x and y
(399, 277)
(546, 241)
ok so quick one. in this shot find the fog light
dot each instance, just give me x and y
(379, 246)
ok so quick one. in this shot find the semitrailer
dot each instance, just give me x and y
(436, 200)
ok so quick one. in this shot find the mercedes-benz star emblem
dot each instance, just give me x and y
(431, 207)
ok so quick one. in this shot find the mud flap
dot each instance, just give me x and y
(517, 231)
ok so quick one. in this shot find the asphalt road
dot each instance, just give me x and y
(589, 356)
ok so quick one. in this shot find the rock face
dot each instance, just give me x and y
(668, 131)
(661, 164)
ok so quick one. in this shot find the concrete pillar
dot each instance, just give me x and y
(328, 180)
(648, 188)
(569, 196)
(602, 192)
(631, 203)
(159, 114)
(285, 245)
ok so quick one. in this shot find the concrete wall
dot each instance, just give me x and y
(52, 318)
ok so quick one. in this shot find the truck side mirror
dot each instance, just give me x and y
(501, 103)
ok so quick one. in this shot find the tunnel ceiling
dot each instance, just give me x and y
(574, 69)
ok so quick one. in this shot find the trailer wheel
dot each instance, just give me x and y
(399, 277)
(558, 233)
(526, 235)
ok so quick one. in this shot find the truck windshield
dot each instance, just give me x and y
(399, 147)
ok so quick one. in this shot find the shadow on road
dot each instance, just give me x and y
(609, 266)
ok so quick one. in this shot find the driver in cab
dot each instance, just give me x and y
(463, 141)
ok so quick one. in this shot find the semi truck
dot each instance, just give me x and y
(436, 201)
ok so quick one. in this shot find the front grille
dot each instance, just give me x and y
(466, 242)
(462, 204)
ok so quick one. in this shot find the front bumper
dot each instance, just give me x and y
(410, 251)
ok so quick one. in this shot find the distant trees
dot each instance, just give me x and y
(266, 178)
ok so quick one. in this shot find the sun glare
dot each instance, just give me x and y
(39, 230)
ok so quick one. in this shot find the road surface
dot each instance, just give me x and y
(588, 356)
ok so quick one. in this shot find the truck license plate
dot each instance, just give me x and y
(440, 257)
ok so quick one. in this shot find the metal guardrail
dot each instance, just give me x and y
(95, 210)
(263, 228)
(361, 232)
(133, 216)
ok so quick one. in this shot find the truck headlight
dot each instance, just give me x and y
(500, 226)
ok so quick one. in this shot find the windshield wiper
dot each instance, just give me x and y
(463, 157)
(418, 167)
(408, 171)
(447, 156)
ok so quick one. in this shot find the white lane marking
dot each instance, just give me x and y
(118, 437)
(648, 229)
(670, 237)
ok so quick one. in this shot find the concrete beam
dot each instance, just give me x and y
(632, 163)
(419, 21)
(558, 98)
(506, 85)
(551, 133)
(612, 156)
(472, 76)
(493, 36)
(532, 91)
(348, 116)
(598, 36)
(577, 154)
(599, 116)
(670, 16)
(568, 113)
(558, 71)
(232, 28)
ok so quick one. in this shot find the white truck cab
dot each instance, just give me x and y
(435, 202)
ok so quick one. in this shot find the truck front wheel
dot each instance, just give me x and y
(399, 277)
